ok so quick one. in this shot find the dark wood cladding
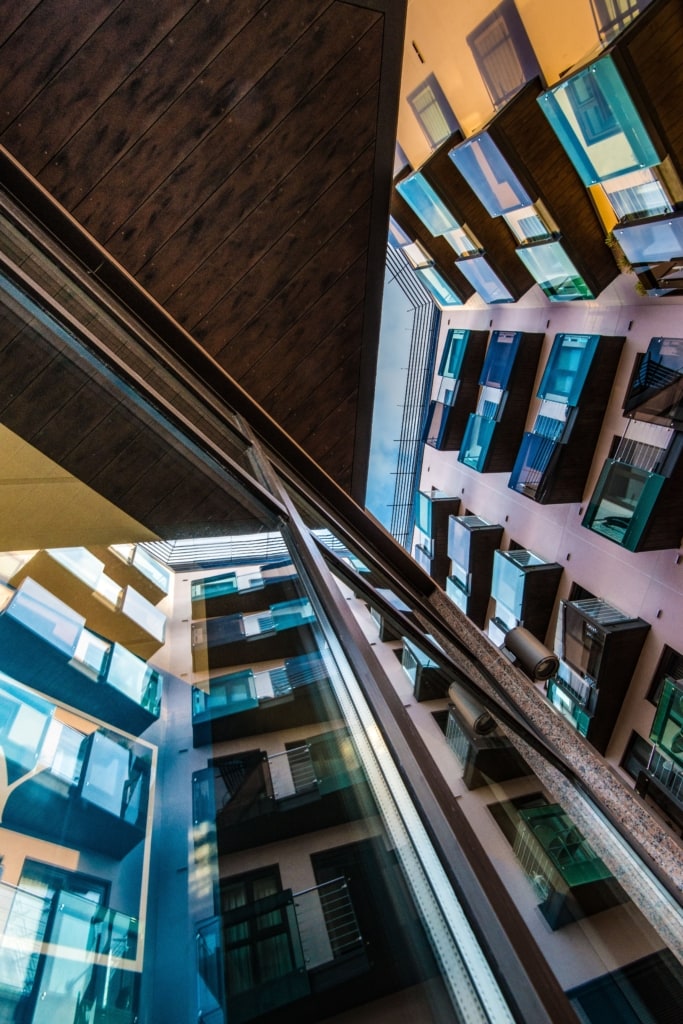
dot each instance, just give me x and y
(525, 138)
(650, 55)
(492, 233)
(235, 158)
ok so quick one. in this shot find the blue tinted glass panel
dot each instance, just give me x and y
(476, 442)
(500, 358)
(534, 459)
(397, 236)
(552, 269)
(652, 241)
(451, 360)
(567, 368)
(41, 612)
(426, 204)
(423, 513)
(439, 288)
(482, 278)
(595, 119)
(489, 175)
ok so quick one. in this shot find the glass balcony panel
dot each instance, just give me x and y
(448, 390)
(622, 503)
(533, 462)
(91, 654)
(463, 242)
(398, 238)
(652, 241)
(438, 287)
(637, 195)
(507, 586)
(46, 616)
(289, 614)
(132, 676)
(426, 204)
(81, 562)
(62, 752)
(106, 776)
(552, 269)
(417, 256)
(568, 367)
(489, 175)
(528, 224)
(453, 353)
(491, 402)
(500, 358)
(457, 592)
(484, 280)
(108, 591)
(144, 613)
(476, 442)
(597, 122)
(153, 570)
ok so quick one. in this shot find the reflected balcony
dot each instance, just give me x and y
(77, 577)
(83, 788)
(429, 679)
(484, 752)
(251, 798)
(46, 644)
(280, 631)
(493, 433)
(555, 457)
(247, 590)
(318, 942)
(132, 564)
(259, 699)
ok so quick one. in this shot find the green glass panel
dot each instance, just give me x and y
(623, 503)
(667, 729)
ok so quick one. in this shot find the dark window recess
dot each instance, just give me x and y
(514, 546)
(503, 53)
(670, 664)
(650, 989)
(595, 117)
(636, 756)
(579, 593)
(433, 111)
(611, 16)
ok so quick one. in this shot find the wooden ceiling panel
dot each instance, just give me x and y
(227, 155)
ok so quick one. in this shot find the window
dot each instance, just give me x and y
(636, 756)
(432, 110)
(670, 664)
(503, 53)
(256, 933)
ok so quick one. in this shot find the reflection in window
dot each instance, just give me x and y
(502, 51)
(432, 110)
(552, 269)
(614, 15)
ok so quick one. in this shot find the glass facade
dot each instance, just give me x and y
(274, 840)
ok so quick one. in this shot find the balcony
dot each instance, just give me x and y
(47, 646)
(667, 728)
(483, 751)
(76, 576)
(252, 589)
(429, 679)
(599, 646)
(84, 788)
(280, 631)
(564, 870)
(249, 798)
(131, 563)
(471, 545)
(258, 699)
(493, 433)
(321, 947)
(524, 589)
(555, 457)
(460, 368)
(432, 511)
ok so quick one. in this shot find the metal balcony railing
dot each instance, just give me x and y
(328, 925)
(292, 772)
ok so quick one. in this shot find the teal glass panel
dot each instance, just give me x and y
(652, 241)
(226, 695)
(597, 123)
(477, 441)
(567, 367)
(489, 175)
(571, 856)
(426, 204)
(534, 461)
(484, 280)
(438, 287)
(423, 513)
(458, 593)
(500, 358)
(552, 269)
(569, 708)
(453, 353)
(91, 654)
(667, 728)
(135, 678)
(217, 587)
(623, 502)
(289, 614)
(45, 615)
(507, 586)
